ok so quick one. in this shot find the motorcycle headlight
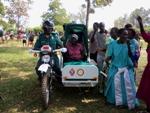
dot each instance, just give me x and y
(46, 58)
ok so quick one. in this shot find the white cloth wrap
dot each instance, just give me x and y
(128, 87)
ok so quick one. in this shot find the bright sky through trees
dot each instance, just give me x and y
(106, 14)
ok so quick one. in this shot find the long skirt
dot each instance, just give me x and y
(143, 92)
(120, 88)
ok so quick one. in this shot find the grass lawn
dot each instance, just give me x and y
(21, 93)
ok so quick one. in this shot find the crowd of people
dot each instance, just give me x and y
(120, 48)
(27, 37)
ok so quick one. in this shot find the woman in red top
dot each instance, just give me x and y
(74, 49)
(143, 92)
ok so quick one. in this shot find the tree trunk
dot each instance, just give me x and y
(88, 12)
(18, 23)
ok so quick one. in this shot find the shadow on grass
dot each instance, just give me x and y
(24, 95)
(19, 94)
(20, 64)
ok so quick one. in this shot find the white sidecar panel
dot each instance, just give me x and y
(80, 75)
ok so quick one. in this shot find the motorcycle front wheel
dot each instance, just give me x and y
(45, 90)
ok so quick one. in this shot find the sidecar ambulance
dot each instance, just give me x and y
(79, 73)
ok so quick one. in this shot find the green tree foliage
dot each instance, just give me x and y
(2, 23)
(101, 3)
(143, 13)
(121, 21)
(5, 25)
(2, 9)
(56, 13)
(17, 11)
(37, 29)
(147, 28)
(59, 28)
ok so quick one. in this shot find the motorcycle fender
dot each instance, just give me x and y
(43, 67)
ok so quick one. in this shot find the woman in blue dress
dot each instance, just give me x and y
(120, 87)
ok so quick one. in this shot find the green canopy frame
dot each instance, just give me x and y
(80, 30)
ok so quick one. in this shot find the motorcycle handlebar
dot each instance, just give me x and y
(56, 50)
(64, 50)
(34, 51)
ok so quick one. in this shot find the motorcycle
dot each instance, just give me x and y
(47, 73)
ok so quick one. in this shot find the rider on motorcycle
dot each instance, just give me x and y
(48, 37)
